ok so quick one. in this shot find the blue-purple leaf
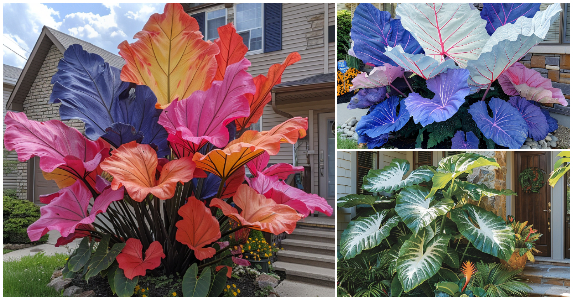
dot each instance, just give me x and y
(499, 14)
(383, 119)
(119, 134)
(367, 97)
(459, 140)
(450, 90)
(424, 66)
(506, 128)
(552, 122)
(536, 122)
(208, 188)
(374, 30)
(373, 142)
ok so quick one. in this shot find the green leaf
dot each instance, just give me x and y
(124, 287)
(417, 211)
(476, 191)
(391, 257)
(196, 287)
(449, 288)
(66, 272)
(218, 284)
(448, 275)
(557, 174)
(83, 253)
(396, 287)
(486, 231)
(451, 258)
(420, 138)
(353, 200)
(102, 259)
(478, 291)
(390, 178)
(111, 276)
(366, 233)
(420, 259)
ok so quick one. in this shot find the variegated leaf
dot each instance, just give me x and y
(417, 211)
(366, 233)
(390, 178)
(353, 200)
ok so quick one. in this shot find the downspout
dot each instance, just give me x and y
(278, 111)
(325, 38)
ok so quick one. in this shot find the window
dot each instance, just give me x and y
(249, 23)
(423, 158)
(215, 19)
(559, 30)
(365, 162)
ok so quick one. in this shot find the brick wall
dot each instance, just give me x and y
(37, 108)
(552, 66)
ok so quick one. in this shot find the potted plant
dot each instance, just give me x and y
(525, 238)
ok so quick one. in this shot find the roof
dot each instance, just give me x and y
(62, 41)
(320, 78)
(11, 74)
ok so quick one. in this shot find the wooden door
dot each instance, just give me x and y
(37, 185)
(535, 207)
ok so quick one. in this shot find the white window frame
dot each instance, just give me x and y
(212, 9)
(262, 50)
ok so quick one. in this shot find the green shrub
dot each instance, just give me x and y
(10, 193)
(343, 25)
(18, 215)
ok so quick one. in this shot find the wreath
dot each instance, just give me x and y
(532, 180)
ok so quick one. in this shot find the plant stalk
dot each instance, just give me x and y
(397, 90)
(485, 94)
(408, 83)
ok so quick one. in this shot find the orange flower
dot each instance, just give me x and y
(468, 269)
(531, 230)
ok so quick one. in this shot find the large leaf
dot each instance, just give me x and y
(282, 170)
(298, 199)
(365, 98)
(420, 258)
(417, 211)
(258, 212)
(390, 178)
(451, 258)
(196, 287)
(83, 253)
(366, 233)
(224, 163)
(288, 131)
(476, 191)
(463, 140)
(353, 200)
(445, 29)
(69, 207)
(231, 49)
(506, 128)
(373, 142)
(198, 228)
(101, 259)
(552, 122)
(383, 118)
(374, 30)
(378, 77)
(528, 83)
(262, 96)
(424, 66)
(135, 165)
(499, 14)
(122, 285)
(131, 259)
(537, 125)
(450, 90)
(205, 114)
(88, 89)
(170, 56)
(218, 285)
(486, 231)
(509, 43)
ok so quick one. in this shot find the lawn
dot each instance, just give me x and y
(29, 276)
(343, 143)
(7, 251)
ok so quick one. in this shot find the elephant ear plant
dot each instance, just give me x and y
(423, 224)
(158, 179)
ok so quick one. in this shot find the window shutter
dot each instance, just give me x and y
(273, 27)
(364, 163)
(200, 17)
(553, 33)
(423, 158)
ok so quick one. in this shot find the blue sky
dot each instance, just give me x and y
(104, 25)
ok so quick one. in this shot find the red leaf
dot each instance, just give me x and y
(233, 183)
(131, 260)
(231, 47)
(198, 228)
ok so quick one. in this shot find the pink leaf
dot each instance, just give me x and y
(81, 231)
(282, 170)
(378, 77)
(69, 208)
(204, 115)
(528, 83)
(259, 163)
(240, 261)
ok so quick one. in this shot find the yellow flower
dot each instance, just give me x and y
(225, 290)
(238, 291)
(234, 285)
(228, 286)
(67, 258)
(174, 294)
(234, 294)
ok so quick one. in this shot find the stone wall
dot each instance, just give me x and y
(492, 177)
(552, 66)
(37, 108)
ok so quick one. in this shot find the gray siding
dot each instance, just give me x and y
(9, 180)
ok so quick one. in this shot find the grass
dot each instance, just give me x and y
(29, 276)
(7, 251)
(343, 143)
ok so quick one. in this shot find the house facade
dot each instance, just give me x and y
(9, 78)
(547, 210)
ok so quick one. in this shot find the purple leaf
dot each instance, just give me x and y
(367, 97)
(536, 121)
(499, 14)
(374, 30)
(552, 122)
(378, 77)
(383, 119)
(459, 140)
(507, 127)
(450, 90)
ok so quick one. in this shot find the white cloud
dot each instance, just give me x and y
(142, 14)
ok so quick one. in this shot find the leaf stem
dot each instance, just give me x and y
(397, 90)
(408, 83)
(465, 250)
(484, 94)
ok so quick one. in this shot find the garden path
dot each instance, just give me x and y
(48, 248)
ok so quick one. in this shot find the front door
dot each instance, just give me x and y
(326, 156)
(37, 184)
(535, 207)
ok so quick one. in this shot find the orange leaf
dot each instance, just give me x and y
(289, 131)
(225, 162)
(198, 228)
(65, 179)
(264, 86)
(135, 165)
(259, 212)
(229, 270)
(231, 47)
(170, 56)
(131, 260)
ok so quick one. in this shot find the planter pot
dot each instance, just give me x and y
(263, 263)
(515, 262)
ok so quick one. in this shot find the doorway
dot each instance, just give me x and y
(327, 157)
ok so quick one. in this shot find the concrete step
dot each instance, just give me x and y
(314, 234)
(544, 290)
(307, 274)
(551, 261)
(309, 259)
(295, 244)
(289, 288)
(547, 274)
